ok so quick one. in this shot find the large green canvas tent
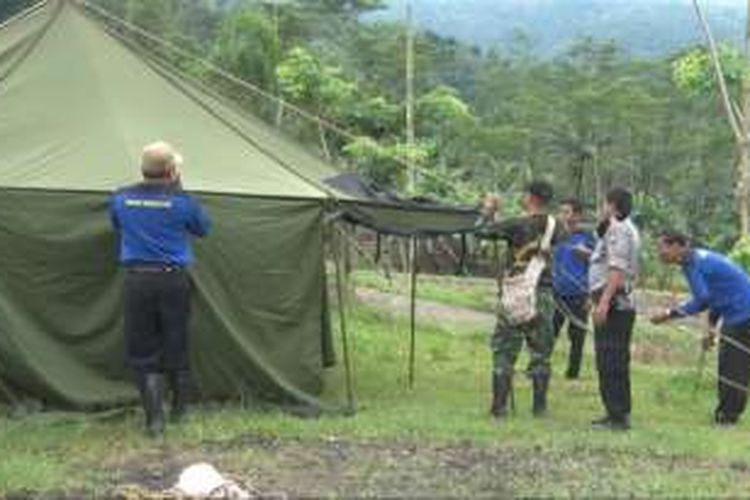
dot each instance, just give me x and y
(76, 106)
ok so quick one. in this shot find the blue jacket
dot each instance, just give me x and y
(570, 272)
(717, 284)
(155, 222)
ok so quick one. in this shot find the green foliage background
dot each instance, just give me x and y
(590, 117)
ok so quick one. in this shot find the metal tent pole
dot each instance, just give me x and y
(413, 312)
(351, 404)
(378, 247)
(463, 268)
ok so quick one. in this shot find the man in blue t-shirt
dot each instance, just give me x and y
(722, 288)
(570, 282)
(155, 221)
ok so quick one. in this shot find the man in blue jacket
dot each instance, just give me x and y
(722, 288)
(570, 278)
(155, 220)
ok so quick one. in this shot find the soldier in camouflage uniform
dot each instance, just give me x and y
(523, 235)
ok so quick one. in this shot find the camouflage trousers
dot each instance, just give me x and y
(508, 339)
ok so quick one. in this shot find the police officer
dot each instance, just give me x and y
(721, 287)
(613, 272)
(155, 220)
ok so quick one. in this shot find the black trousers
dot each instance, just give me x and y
(612, 342)
(734, 372)
(577, 307)
(157, 312)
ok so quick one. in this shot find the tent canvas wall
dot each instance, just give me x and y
(75, 108)
(76, 105)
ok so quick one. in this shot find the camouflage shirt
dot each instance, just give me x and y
(524, 237)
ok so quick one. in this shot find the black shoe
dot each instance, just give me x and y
(540, 384)
(179, 383)
(153, 404)
(501, 387)
(610, 423)
(620, 424)
(602, 422)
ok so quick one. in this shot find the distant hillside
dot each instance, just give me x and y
(642, 27)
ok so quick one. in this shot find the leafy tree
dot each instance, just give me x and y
(693, 71)
(247, 46)
(385, 165)
(346, 6)
(442, 111)
(305, 80)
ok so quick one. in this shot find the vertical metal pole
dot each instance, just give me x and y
(743, 184)
(410, 134)
(378, 248)
(277, 40)
(463, 268)
(413, 313)
(342, 324)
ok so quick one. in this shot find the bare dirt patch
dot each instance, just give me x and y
(427, 311)
(343, 468)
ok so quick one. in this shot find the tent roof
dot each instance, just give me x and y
(76, 107)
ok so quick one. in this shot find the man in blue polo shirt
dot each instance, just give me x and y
(570, 281)
(155, 220)
(722, 288)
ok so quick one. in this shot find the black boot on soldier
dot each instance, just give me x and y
(152, 396)
(541, 384)
(501, 387)
(179, 382)
(723, 419)
(574, 362)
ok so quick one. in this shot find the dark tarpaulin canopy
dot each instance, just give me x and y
(76, 106)
(387, 212)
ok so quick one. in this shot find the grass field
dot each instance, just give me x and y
(473, 293)
(434, 440)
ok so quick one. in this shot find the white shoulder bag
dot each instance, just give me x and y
(518, 293)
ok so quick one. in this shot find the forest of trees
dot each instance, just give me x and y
(486, 120)
(652, 28)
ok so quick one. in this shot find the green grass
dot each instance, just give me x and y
(672, 450)
(478, 294)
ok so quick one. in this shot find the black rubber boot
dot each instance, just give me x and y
(501, 387)
(541, 383)
(574, 366)
(722, 419)
(152, 394)
(179, 383)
